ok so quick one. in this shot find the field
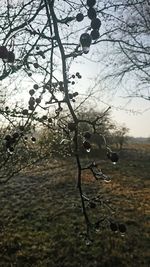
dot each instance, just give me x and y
(41, 221)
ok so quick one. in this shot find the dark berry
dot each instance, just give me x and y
(33, 139)
(8, 143)
(31, 92)
(91, 3)
(3, 52)
(114, 157)
(38, 100)
(122, 228)
(87, 145)
(95, 24)
(7, 137)
(91, 13)
(92, 205)
(25, 112)
(36, 65)
(44, 117)
(11, 149)
(113, 227)
(11, 57)
(85, 39)
(50, 120)
(75, 94)
(31, 107)
(71, 126)
(70, 96)
(21, 128)
(79, 17)
(15, 135)
(31, 101)
(35, 86)
(87, 135)
(95, 34)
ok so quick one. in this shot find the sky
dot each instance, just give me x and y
(134, 113)
(138, 122)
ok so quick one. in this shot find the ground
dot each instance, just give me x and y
(41, 221)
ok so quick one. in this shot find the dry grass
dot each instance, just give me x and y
(41, 221)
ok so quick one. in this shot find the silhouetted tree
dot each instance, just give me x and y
(39, 41)
(127, 31)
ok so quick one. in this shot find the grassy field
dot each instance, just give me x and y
(41, 221)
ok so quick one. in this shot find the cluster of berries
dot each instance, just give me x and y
(86, 38)
(115, 227)
(9, 56)
(10, 140)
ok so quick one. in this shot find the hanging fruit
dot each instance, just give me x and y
(113, 227)
(7, 137)
(31, 101)
(15, 135)
(92, 205)
(31, 107)
(79, 17)
(70, 96)
(3, 52)
(38, 100)
(85, 40)
(122, 228)
(31, 92)
(36, 65)
(113, 156)
(21, 128)
(87, 135)
(35, 86)
(95, 34)
(44, 117)
(72, 126)
(86, 145)
(10, 150)
(50, 120)
(11, 57)
(91, 13)
(91, 3)
(25, 112)
(33, 139)
(95, 24)
(75, 94)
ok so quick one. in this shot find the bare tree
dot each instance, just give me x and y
(39, 41)
(119, 136)
(126, 32)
